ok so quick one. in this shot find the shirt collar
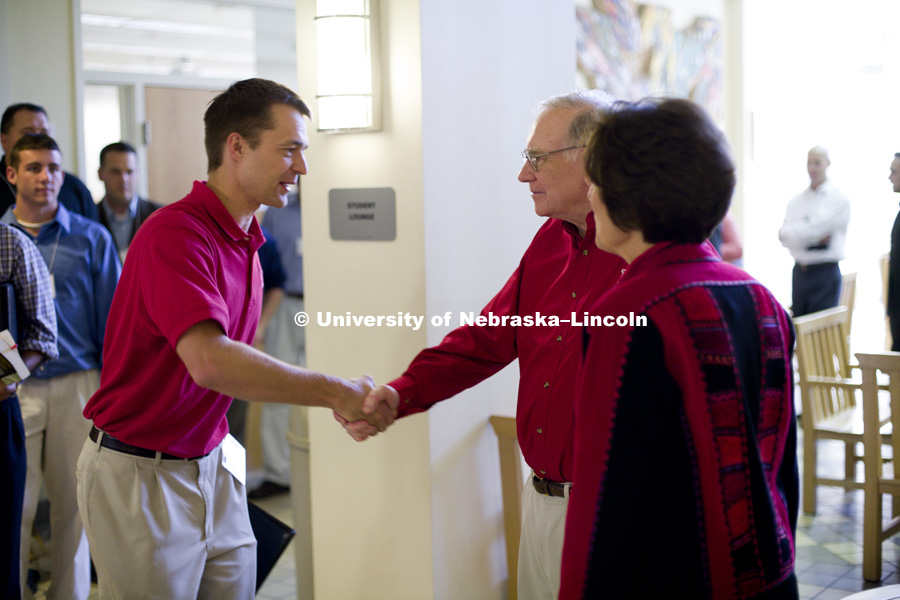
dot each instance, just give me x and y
(585, 242)
(63, 217)
(223, 218)
(111, 214)
(671, 252)
(823, 187)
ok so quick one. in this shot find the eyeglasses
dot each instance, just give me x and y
(533, 159)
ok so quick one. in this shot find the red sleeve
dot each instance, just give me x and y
(465, 357)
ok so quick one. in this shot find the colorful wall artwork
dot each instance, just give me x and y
(634, 50)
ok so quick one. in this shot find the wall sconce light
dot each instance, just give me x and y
(349, 94)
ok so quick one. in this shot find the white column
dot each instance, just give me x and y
(416, 512)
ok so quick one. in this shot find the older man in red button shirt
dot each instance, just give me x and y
(561, 272)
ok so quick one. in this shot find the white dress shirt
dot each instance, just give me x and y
(813, 216)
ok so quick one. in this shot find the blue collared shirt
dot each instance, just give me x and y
(85, 269)
(285, 226)
(270, 261)
(22, 265)
(120, 226)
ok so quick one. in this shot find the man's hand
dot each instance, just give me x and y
(7, 391)
(381, 400)
(356, 406)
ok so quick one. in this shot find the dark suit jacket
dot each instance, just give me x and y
(144, 209)
(893, 297)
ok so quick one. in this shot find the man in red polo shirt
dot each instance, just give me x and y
(160, 483)
(562, 272)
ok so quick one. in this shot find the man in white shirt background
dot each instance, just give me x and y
(815, 232)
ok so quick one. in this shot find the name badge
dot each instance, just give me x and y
(234, 458)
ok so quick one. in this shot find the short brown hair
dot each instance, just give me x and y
(663, 168)
(121, 147)
(12, 110)
(31, 141)
(244, 108)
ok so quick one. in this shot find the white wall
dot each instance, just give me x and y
(276, 52)
(37, 56)
(482, 78)
(737, 118)
(5, 54)
(416, 512)
(370, 502)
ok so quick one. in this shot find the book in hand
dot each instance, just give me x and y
(12, 368)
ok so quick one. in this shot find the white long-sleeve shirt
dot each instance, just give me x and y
(813, 216)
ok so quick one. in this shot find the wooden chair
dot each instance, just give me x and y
(828, 397)
(511, 483)
(876, 434)
(848, 297)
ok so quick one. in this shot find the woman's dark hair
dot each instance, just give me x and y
(663, 168)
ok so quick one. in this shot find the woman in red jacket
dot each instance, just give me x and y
(685, 466)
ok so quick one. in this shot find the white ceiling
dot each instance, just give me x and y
(201, 38)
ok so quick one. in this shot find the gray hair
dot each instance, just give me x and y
(589, 103)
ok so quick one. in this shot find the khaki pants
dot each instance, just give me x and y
(541, 543)
(54, 433)
(285, 340)
(166, 529)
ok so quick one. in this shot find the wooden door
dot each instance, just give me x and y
(176, 155)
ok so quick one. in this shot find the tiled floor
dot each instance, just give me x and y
(279, 585)
(829, 544)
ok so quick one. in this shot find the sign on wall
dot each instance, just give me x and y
(363, 214)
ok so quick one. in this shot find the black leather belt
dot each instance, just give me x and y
(817, 266)
(549, 488)
(112, 443)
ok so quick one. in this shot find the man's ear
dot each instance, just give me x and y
(235, 146)
(11, 175)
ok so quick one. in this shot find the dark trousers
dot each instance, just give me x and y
(12, 494)
(815, 287)
(237, 419)
(895, 331)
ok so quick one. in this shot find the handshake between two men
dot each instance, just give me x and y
(376, 412)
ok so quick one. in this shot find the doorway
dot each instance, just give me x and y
(176, 154)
